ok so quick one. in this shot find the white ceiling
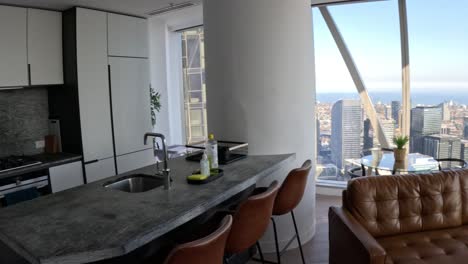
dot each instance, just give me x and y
(133, 7)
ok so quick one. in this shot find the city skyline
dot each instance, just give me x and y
(441, 132)
(417, 98)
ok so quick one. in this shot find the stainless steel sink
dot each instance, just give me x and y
(136, 183)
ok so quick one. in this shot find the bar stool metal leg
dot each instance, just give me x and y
(298, 238)
(260, 252)
(278, 255)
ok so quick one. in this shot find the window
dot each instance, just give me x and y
(439, 63)
(371, 35)
(358, 47)
(193, 63)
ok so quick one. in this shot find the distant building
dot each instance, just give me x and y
(464, 150)
(379, 108)
(319, 138)
(346, 131)
(444, 107)
(465, 127)
(388, 112)
(396, 108)
(388, 127)
(368, 138)
(445, 130)
(442, 146)
(425, 121)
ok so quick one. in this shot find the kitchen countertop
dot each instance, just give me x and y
(91, 223)
(48, 161)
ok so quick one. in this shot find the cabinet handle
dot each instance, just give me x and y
(112, 118)
(91, 161)
(29, 74)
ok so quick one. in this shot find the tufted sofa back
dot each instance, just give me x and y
(391, 205)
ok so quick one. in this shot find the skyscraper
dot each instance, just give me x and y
(464, 150)
(388, 127)
(317, 131)
(444, 107)
(465, 127)
(368, 139)
(346, 131)
(388, 112)
(425, 121)
(396, 107)
(442, 146)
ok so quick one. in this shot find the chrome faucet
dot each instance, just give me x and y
(165, 172)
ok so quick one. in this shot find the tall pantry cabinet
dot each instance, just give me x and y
(107, 70)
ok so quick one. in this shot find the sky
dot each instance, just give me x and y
(438, 38)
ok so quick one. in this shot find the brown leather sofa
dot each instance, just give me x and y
(408, 219)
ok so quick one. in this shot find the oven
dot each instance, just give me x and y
(15, 189)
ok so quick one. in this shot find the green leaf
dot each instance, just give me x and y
(155, 104)
(401, 141)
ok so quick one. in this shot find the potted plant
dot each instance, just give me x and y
(400, 150)
(155, 104)
(155, 99)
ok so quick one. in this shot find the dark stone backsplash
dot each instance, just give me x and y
(24, 117)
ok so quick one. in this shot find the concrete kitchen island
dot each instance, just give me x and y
(91, 223)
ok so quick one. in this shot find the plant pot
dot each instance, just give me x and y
(400, 155)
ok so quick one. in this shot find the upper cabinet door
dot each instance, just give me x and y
(93, 84)
(13, 47)
(130, 103)
(128, 36)
(45, 47)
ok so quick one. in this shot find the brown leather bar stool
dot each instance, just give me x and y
(289, 196)
(207, 250)
(251, 220)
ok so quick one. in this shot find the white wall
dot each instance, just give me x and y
(261, 87)
(166, 69)
(260, 83)
(158, 73)
(176, 90)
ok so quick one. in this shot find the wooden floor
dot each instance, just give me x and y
(316, 250)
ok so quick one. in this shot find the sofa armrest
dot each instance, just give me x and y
(349, 240)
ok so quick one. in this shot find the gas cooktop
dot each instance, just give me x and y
(17, 162)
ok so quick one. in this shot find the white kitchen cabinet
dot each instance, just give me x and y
(93, 84)
(128, 36)
(45, 47)
(100, 169)
(13, 47)
(130, 103)
(136, 160)
(66, 176)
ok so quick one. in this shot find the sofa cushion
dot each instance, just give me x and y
(391, 205)
(464, 189)
(439, 246)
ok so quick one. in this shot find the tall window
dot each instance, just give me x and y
(439, 67)
(358, 52)
(193, 63)
(371, 35)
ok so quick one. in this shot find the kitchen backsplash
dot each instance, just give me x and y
(24, 117)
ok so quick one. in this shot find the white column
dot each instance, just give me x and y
(405, 121)
(166, 78)
(261, 87)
